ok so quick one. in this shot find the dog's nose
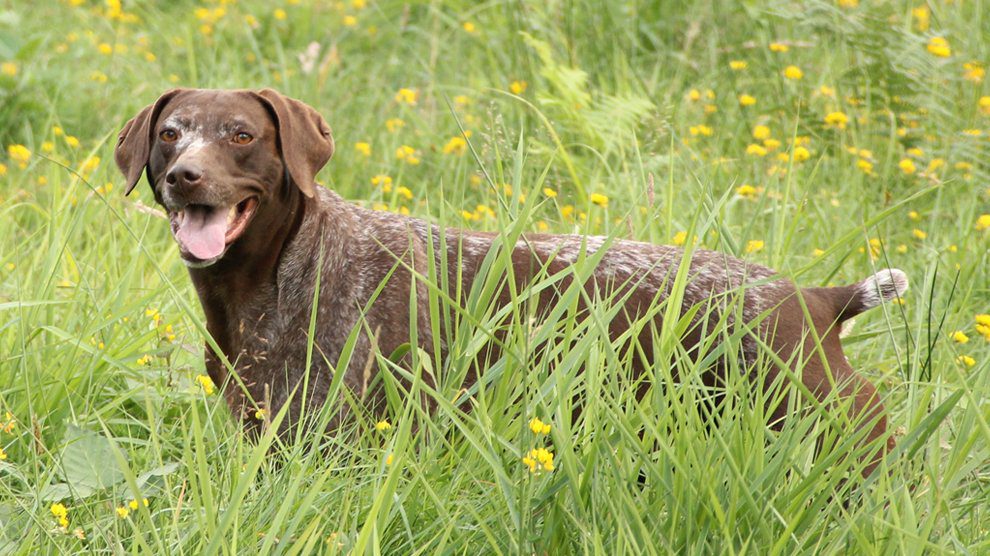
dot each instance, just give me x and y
(185, 174)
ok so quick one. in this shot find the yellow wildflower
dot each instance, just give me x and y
(407, 154)
(938, 46)
(404, 191)
(746, 100)
(779, 47)
(394, 124)
(123, 512)
(747, 191)
(3, 454)
(865, 165)
(800, 154)
(701, 129)
(456, 145)
(260, 414)
(848, 3)
(919, 234)
(406, 96)
(984, 104)
(761, 132)
(9, 69)
(754, 245)
(599, 199)
(966, 360)
(771, 144)
(837, 120)
(144, 360)
(907, 166)
(134, 503)
(383, 425)
(694, 95)
(793, 72)
(679, 238)
(363, 147)
(826, 91)
(922, 17)
(974, 71)
(959, 337)
(518, 87)
(279, 14)
(982, 222)
(350, 21)
(72, 141)
(19, 154)
(539, 459)
(756, 150)
(538, 426)
(469, 27)
(206, 383)
(60, 513)
(549, 192)
(738, 65)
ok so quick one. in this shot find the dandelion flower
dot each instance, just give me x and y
(363, 148)
(793, 72)
(279, 14)
(919, 234)
(746, 100)
(456, 146)
(761, 132)
(907, 166)
(738, 65)
(801, 154)
(599, 199)
(779, 47)
(383, 425)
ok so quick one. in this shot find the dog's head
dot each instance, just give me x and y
(223, 163)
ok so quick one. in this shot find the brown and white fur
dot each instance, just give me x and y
(235, 171)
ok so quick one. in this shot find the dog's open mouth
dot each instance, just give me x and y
(204, 232)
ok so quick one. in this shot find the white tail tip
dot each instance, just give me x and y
(885, 285)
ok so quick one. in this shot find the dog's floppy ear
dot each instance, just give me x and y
(134, 142)
(303, 138)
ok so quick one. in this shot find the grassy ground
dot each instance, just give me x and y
(655, 121)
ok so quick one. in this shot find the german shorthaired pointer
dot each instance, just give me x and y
(235, 171)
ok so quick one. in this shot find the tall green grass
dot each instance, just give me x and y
(90, 281)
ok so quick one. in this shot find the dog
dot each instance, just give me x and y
(235, 171)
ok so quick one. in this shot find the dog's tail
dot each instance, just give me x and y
(849, 301)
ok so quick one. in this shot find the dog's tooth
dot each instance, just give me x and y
(232, 214)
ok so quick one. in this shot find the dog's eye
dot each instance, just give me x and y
(168, 135)
(243, 138)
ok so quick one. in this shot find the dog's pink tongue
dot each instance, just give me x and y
(202, 231)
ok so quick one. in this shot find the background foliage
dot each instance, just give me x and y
(825, 139)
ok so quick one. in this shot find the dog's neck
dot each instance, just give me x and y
(270, 274)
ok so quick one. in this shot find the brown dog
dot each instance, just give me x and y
(235, 172)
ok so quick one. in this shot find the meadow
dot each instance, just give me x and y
(824, 139)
